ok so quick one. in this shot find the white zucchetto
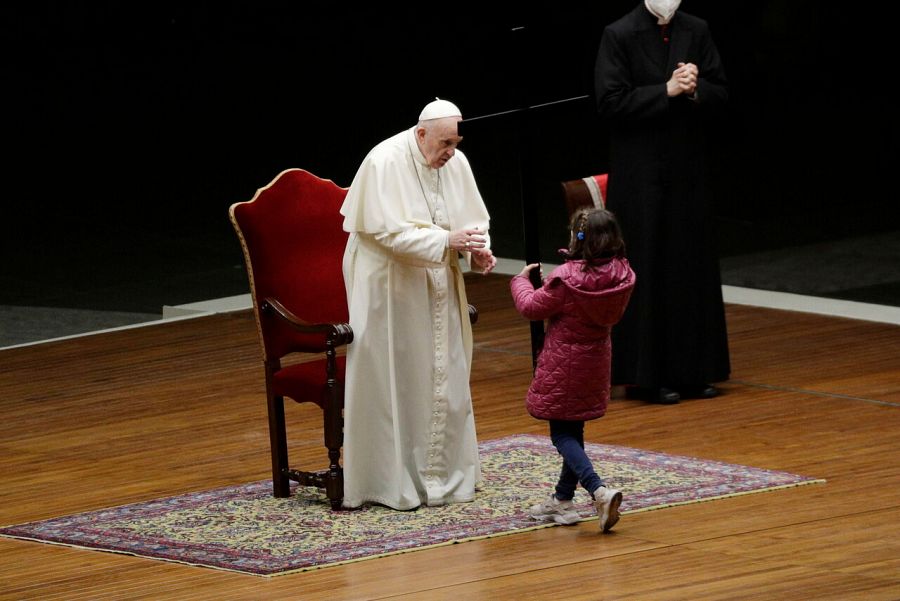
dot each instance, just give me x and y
(439, 109)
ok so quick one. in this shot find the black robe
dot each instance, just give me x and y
(673, 332)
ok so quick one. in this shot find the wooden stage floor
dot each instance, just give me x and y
(137, 414)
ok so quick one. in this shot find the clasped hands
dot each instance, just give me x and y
(473, 240)
(683, 80)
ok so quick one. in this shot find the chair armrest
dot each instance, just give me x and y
(339, 333)
(473, 314)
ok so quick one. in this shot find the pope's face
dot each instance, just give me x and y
(438, 142)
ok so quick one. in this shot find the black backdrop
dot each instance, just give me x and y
(159, 115)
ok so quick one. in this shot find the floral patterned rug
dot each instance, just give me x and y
(245, 529)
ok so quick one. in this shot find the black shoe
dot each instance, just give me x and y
(665, 396)
(702, 391)
(658, 396)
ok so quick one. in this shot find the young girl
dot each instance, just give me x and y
(582, 299)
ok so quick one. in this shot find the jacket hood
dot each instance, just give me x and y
(601, 293)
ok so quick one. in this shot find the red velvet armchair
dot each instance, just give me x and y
(293, 242)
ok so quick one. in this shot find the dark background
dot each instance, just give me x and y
(131, 127)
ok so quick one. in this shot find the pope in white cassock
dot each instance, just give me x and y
(413, 208)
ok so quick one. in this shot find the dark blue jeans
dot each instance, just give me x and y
(568, 438)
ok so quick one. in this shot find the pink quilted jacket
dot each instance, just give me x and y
(571, 381)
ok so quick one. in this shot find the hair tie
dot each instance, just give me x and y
(580, 235)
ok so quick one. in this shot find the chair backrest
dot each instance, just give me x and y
(293, 241)
(585, 192)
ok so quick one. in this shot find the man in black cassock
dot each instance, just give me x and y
(658, 82)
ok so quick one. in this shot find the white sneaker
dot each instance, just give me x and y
(554, 510)
(607, 501)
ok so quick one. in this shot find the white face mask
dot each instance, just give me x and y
(663, 9)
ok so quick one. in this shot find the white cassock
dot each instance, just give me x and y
(409, 430)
